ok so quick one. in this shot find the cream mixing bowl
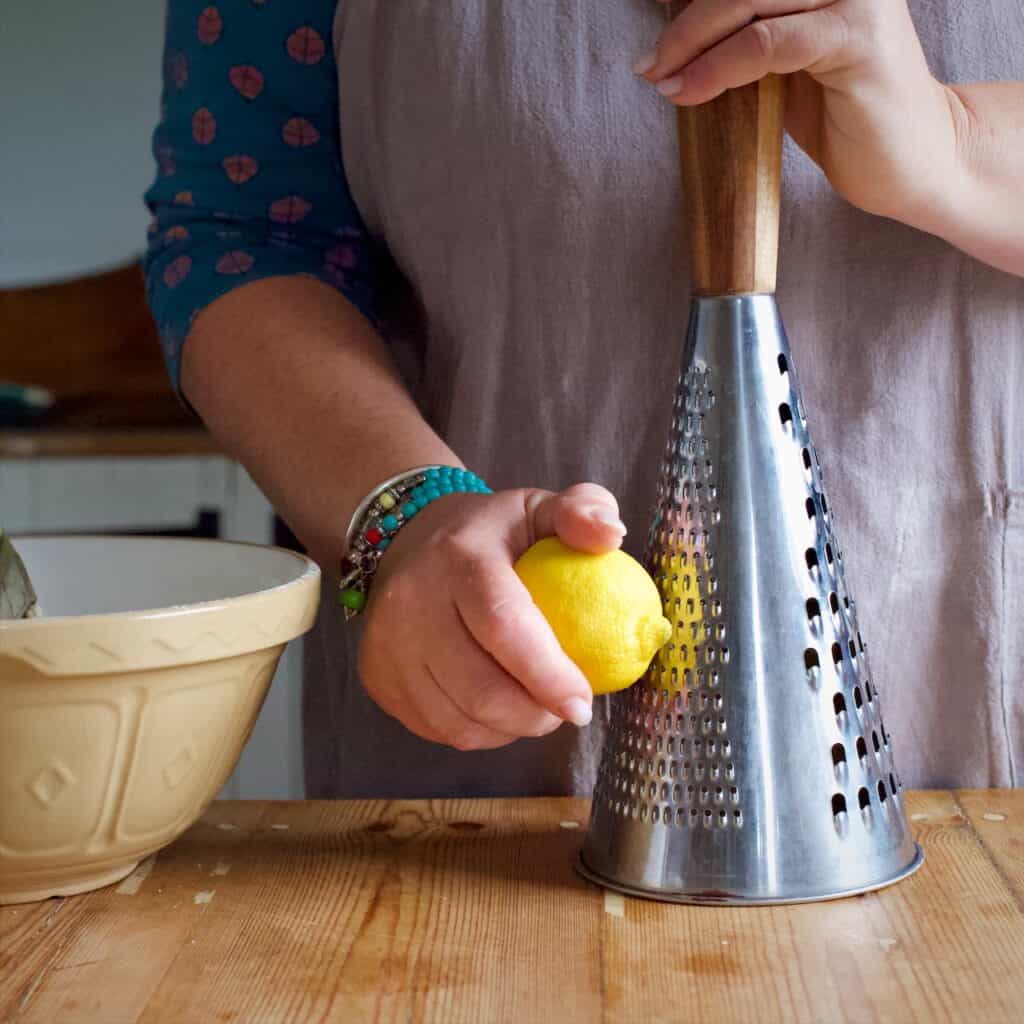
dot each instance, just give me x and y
(125, 706)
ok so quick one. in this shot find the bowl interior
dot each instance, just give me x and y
(102, 575)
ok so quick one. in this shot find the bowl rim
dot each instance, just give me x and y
(75, 646)
(310, 571)
(65, 646)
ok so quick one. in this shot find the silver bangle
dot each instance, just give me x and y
(360, 512)
(380, 517)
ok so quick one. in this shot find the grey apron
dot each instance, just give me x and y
(526, 186)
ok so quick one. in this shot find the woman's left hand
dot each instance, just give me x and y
(861, 102)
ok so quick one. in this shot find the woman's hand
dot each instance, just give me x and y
(861, 103)
(454, 647)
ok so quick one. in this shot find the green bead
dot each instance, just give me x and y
(390, 523)
(353, 600)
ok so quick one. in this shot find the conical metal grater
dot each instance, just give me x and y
(752, 763)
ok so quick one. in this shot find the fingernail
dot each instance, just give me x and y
(577, 711)
(645, 62)
(606, 517)
(670, 86)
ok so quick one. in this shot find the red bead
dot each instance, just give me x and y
(374, 536)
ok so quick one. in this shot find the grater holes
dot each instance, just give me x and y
(838, 754)
(833, 603)
(806, 455)
(839, 704)
(811, 510)
(862, 748)
(863, 798)
(786, 415)
(829, 557)
(892, 784)
(858, 700)
(824, 503)
(837, 654)
(874, 741)
(783, 364)
(883, 794)
(838, 804)
(868, 692)
(813, 611)
(811, 557)
(853, 651)
(813, 667)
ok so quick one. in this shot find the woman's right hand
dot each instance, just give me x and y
(454, 646)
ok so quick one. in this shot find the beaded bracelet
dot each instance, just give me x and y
(383, 513)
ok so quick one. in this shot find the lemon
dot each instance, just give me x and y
(683, 602)
(604, 609)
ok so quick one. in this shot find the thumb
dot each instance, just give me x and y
(584, 516)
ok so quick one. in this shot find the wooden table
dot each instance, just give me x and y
(470, 911)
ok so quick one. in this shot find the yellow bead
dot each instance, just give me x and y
(387, 500)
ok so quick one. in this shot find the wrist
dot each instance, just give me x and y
(330, 507)
(943, 194)
(391, 506)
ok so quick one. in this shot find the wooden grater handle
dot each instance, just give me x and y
(731, 160)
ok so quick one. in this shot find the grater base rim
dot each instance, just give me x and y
(737, 900)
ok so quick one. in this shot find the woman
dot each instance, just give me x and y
(490, 188)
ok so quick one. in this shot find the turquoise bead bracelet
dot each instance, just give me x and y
(382, 515)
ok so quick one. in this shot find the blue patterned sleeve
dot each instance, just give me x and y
(249, 181)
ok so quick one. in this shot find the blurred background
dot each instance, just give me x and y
(92, 438)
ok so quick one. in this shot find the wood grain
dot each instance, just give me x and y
(731, 160)
(92, 342)
(89, 336)
(470, 911)
(997, 816)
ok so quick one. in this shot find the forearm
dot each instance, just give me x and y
(296, 384)
(982, 211)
